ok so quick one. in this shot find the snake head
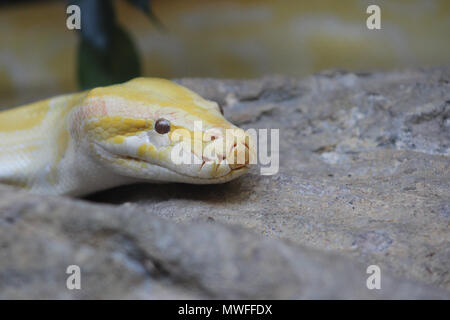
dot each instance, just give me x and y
(156, 130)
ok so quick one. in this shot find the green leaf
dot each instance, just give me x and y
(106, 53)
(99, 67)
(98, 21)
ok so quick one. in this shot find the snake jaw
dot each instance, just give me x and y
(138, 158)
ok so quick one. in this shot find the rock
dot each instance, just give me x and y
(363, 180)
(124, 252)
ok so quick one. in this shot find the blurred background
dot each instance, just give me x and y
(39, 56)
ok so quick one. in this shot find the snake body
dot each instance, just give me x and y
(85, 142)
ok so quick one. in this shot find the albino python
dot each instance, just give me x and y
(84, 142)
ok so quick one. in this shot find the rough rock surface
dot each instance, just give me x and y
(364, 179)
(128, 253)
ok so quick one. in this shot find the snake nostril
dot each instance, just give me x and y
(239, 157)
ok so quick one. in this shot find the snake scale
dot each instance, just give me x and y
(84, 142)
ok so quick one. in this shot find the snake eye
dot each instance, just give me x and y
(220, 109)
(162, 126)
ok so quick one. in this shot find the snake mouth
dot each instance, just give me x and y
(235, 169)
(161, 167)
(141, 170)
